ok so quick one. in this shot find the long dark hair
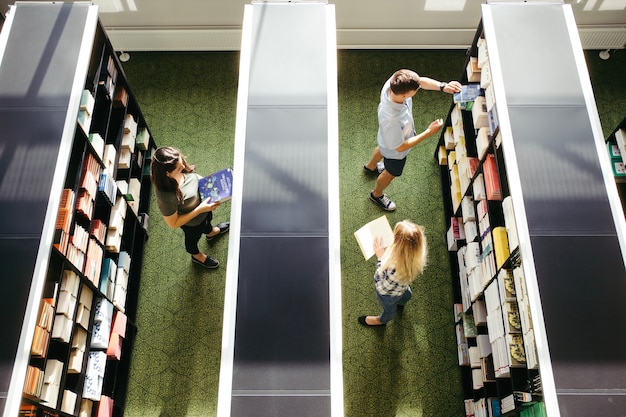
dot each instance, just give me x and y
(163, 161)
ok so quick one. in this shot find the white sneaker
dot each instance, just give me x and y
(383, 202)
(380, 167)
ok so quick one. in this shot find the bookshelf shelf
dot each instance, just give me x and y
(524, 216)
(82, 229)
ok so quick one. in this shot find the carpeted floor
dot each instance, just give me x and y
(408, 369)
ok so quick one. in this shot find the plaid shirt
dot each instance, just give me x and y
(386, 283)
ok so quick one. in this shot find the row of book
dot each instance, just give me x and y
(85, 111)
(108, 77)
(114, 279)
(483, 407)
(84, 249)
(493, 292)
(88, 186)
(617, 152)
(494, 407)
(108, 332)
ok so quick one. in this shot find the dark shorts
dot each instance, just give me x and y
(395, 166)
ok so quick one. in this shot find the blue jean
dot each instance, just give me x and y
(390, 304)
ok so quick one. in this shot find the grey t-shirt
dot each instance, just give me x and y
(169, 204)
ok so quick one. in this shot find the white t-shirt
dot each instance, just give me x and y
(395, 124)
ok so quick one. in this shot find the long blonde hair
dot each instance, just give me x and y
(408, 252)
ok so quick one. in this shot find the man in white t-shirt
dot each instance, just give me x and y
(396, 130)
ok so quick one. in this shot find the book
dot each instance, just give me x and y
(217, 186)
(366, 234)
(465, 98)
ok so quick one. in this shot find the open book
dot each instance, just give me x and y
(366, 234)
(217, 186)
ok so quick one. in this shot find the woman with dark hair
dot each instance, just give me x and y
(397, 267)
(176, 191)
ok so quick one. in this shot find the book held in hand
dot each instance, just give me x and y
(465, 98)
(379, 227)
(217, 186)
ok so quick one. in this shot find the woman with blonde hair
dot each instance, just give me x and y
(397, 267)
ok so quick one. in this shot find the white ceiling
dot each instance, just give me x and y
(216, 24)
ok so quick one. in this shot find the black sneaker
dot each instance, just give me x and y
(383, 202)
(224, 227)
(209, 262)
(380, 167)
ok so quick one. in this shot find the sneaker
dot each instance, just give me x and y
(380, 167)
(383, 202)
(209, 262)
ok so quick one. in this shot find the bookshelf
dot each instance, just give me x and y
(535, 228)
(75, 197)
(616, 149)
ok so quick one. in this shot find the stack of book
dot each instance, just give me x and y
(68, 403)
(121, 281)
(77, 248)
(142, 140)
(66, 306)
(33, 382)
(65, 217)
(103, 317)
(509, 223)
(107, 187)
(127, 147)
(94, 375)
(617, 152)
(456, 233)
(107, 277)
(93, 260)
(472, 70)
(51, 382)
(492, 178)
(501, 245)
(88, 186)
(109, 77)
(532, 361)
(120, 99)
(43, 328)
(77, 352)
(116, 225)
(87, 103)
(118, 333)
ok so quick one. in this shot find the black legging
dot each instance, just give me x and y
(193, 234)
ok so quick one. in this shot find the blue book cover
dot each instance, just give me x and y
(468, 93)
(217, 186)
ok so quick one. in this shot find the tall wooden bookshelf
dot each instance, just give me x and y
(74, 198)
(536, 232)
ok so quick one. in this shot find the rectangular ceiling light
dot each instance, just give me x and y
(612, 5)
(109, 6)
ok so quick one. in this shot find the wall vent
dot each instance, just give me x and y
(602, 38)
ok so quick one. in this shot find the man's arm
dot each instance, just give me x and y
(450, 87)
(433, 128)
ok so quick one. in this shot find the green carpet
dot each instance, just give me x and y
(409, 369)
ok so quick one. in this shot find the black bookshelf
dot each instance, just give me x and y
(65, 105)
(568, 232)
